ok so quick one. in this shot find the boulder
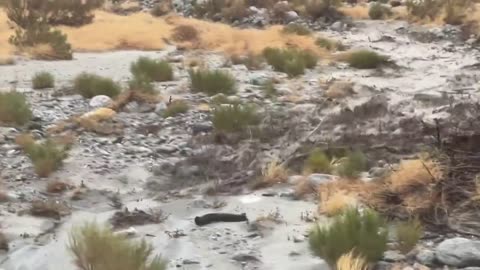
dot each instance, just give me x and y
(459, 252)
(100, 101)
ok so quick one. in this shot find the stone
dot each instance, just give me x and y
(393, 256)
(459, 252)
(291, 16)
(298, 238)
(163, 168)
(166, 149)
(244, 257)
(100, 101)
(295, 179)
(317, 179)
(187, 261)
(337, 26)
(160, 108)
(426, 257)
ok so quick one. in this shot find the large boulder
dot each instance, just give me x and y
(100, 101)
(459, 252)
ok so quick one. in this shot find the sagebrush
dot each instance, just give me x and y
(42, 80)
(408, 233)
(46, 156)
(89, 85)
(14, 108)
(365, 59)
(318, 162)
(235, 117)
(175, 108)
(155, 70)
(212, 82)
(290, 61)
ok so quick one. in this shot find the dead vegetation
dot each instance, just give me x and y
(57, 186)
(3, 242)
(126, 218)
(274, 173)
(49, 208)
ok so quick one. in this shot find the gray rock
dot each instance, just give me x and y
(187, 261)
(393, 256)
(160, 107)
(317, 179)
(244, 257)
(426, 257)
(291, 16)
(167, 149)
(337, 26)
(163, 168)
(459, 252)
(99, 101)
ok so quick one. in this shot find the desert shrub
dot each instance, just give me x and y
(161, 9)
(235, 117)
(318, 162)
(90, 85)
(46, 157)
(182, 33)
(365, 59)
(425, 8)
(378, 11)
(364, 233)
(212, 82)
(176, 107)
(319, 8)
(14, 108)
(455, 11)
(43, 80)
(408, 233)
(99, 248)
(208, 8)
(269, 89)
(236, 10)
(329, 44)
(155, 70)
(352, 165)
(298, 29)
(290, 61)
(250, 60)
(274, 173)
(141, 83)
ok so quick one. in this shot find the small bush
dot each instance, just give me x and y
(43, 80)
(363, 233)
(49, 208)
(208, 8)
(329, 44)
(408, 233)
(298, 29)
(99, 248)
(352, 165)
(378, 11)
(455, 11)
(161, 9)
(158, 71)
(320, 8)
(234, 118)
(14, 108)
(212, 82)
(251, 61)
(269, 88)
(236, 10)
(290, 61)
(318, 162)
(46, 157)
(274, 173)
(141, 83)
(176, 107)
(90, 85)
(183, 33)
(425, 8)
(364, 59)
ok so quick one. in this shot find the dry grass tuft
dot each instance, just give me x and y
(334, 204)
(274, 173)
(413, 173)
(4, 196)
(350, 261)
(7, 61)
(24, 140)
(57, 186)
(183, 33)
(3, 242)
(49, 208)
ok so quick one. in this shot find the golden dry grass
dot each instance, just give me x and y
(144, 32)
(274, 173)
(351, 262)
(24, 140)
(334, 204)
(411, 173)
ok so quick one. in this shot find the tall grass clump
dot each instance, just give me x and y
(212, 82)
(297, 29)
(175, 108)
(42, 80)
(155, 70)
(141, 83)
(46, 157)
(365, 59)
(378, 11)
(235, 117)
(95, 247)
(318, 162)
(365, 233)
(290, 61)
(89, 85)
(408, 233)
(352, 165)
(14, 108)
(329, 44)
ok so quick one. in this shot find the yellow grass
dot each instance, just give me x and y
(411, 173)
(356, 12)
(334, 204)
(351, 262)
(145, 32)
(274, 173)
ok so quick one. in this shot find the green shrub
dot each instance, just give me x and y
(378, 11)
(46, 157)
(90, 85)
(319, 8)
(155, 70)
(298, 29)
(364, 233)
(235, 117)
(212, 82)
(176, 107)
(99, 248)
(408, 233)
(325, 43)
(141, 83)
(43, 80)
(290, 61)
(318, 162)
(14, 108)
(352, 165)
(364, 59)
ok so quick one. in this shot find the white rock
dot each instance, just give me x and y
(291, 15)
(160, 107)
(317, 179)
(100, 101)
(459, 252)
